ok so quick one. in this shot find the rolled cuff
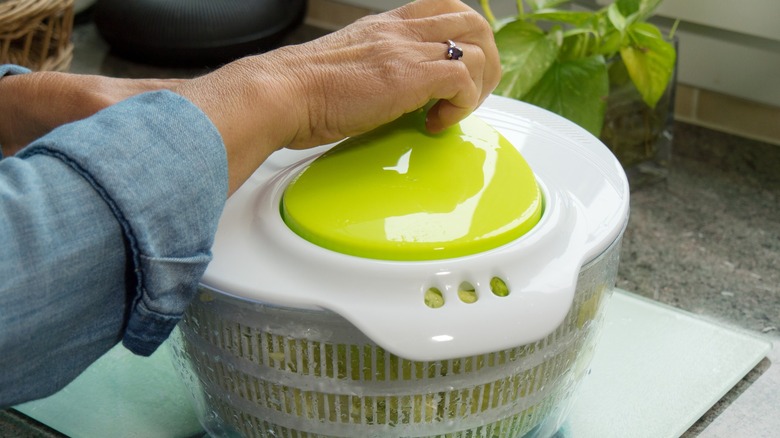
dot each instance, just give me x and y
(10, 69)
(160, 165)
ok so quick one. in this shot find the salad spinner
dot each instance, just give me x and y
(408, 284)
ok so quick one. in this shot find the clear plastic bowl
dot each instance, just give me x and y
(257, 370)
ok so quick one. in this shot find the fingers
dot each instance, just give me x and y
(458, 93)
(462, 85)
(444, 114)
(457, 83)
(435, 22)
(474, 60)
(428, 8)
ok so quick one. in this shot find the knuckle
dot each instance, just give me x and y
(397, 70)
(476, 56)
(461, 70)
(371, 18)
(389, 52)
(474, 21)
(458, 78)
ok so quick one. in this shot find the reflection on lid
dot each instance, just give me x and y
(400, 193)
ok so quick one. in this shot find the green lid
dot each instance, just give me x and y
(401, 193)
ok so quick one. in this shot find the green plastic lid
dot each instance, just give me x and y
(401, 193)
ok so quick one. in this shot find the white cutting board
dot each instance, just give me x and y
(657, 370)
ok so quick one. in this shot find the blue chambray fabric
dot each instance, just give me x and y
(106, 226)
(10, 69)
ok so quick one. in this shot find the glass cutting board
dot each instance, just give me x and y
(656, 371)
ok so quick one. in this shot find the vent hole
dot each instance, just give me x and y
(467, 293)
(499, 287)
(434, 298)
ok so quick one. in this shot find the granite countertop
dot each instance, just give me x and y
(706, 240)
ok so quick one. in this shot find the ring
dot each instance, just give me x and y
(453, 51)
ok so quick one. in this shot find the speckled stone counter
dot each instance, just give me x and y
(706, 240)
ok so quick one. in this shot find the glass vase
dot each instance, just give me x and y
(640, 136)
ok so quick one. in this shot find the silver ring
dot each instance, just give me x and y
(453, 51)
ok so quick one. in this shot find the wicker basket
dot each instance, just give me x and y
(36, 33)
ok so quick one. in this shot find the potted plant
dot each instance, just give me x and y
(608, 70)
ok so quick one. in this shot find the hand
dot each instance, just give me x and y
(389, 64)
(351, 81)
(36, 103)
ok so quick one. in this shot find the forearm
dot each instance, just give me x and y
(35, 103)
(8, 108)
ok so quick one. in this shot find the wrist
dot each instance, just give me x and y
(255, 107)
(279, 106)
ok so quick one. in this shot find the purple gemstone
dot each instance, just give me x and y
(454, 52)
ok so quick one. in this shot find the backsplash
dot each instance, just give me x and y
(728, 114)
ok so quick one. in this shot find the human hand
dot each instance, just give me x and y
(389, 64)
(349, 82)
(34, 104)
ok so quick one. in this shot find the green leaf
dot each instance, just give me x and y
(576, 18)
(526, 53)
(576, 44)
(545, 4)
(501, 22)
(628, 7)
(649, 60)
(616, 17)
(641, 9)
(575, 89)
(610, 44)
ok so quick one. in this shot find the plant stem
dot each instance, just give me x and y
(485, 4)
(674, 28)
(520, 10)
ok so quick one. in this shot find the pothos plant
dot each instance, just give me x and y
(558, 58)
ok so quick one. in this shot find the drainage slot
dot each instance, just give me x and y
(467, 293)
(499, 287)
(434, 298)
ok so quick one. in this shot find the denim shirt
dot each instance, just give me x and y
(106, 226)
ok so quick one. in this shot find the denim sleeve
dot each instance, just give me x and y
(10, 69)
(106, 228)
